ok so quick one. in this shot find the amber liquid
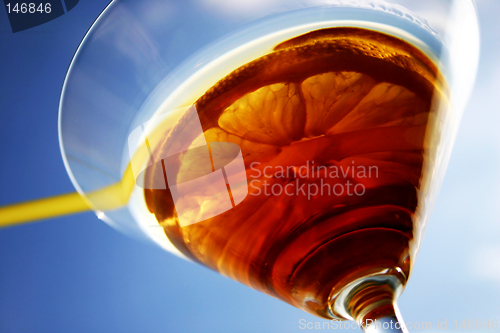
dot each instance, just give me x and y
(340, 99)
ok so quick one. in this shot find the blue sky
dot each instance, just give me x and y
(76, 274)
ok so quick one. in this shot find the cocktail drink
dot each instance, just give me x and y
(301, 157)
(338, 129)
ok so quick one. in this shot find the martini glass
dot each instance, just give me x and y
(140, 70)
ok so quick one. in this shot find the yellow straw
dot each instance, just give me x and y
(105, 199)
(40, 209)
(108, 198)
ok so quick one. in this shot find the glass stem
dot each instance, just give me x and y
(371, 302)
(384, 322)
